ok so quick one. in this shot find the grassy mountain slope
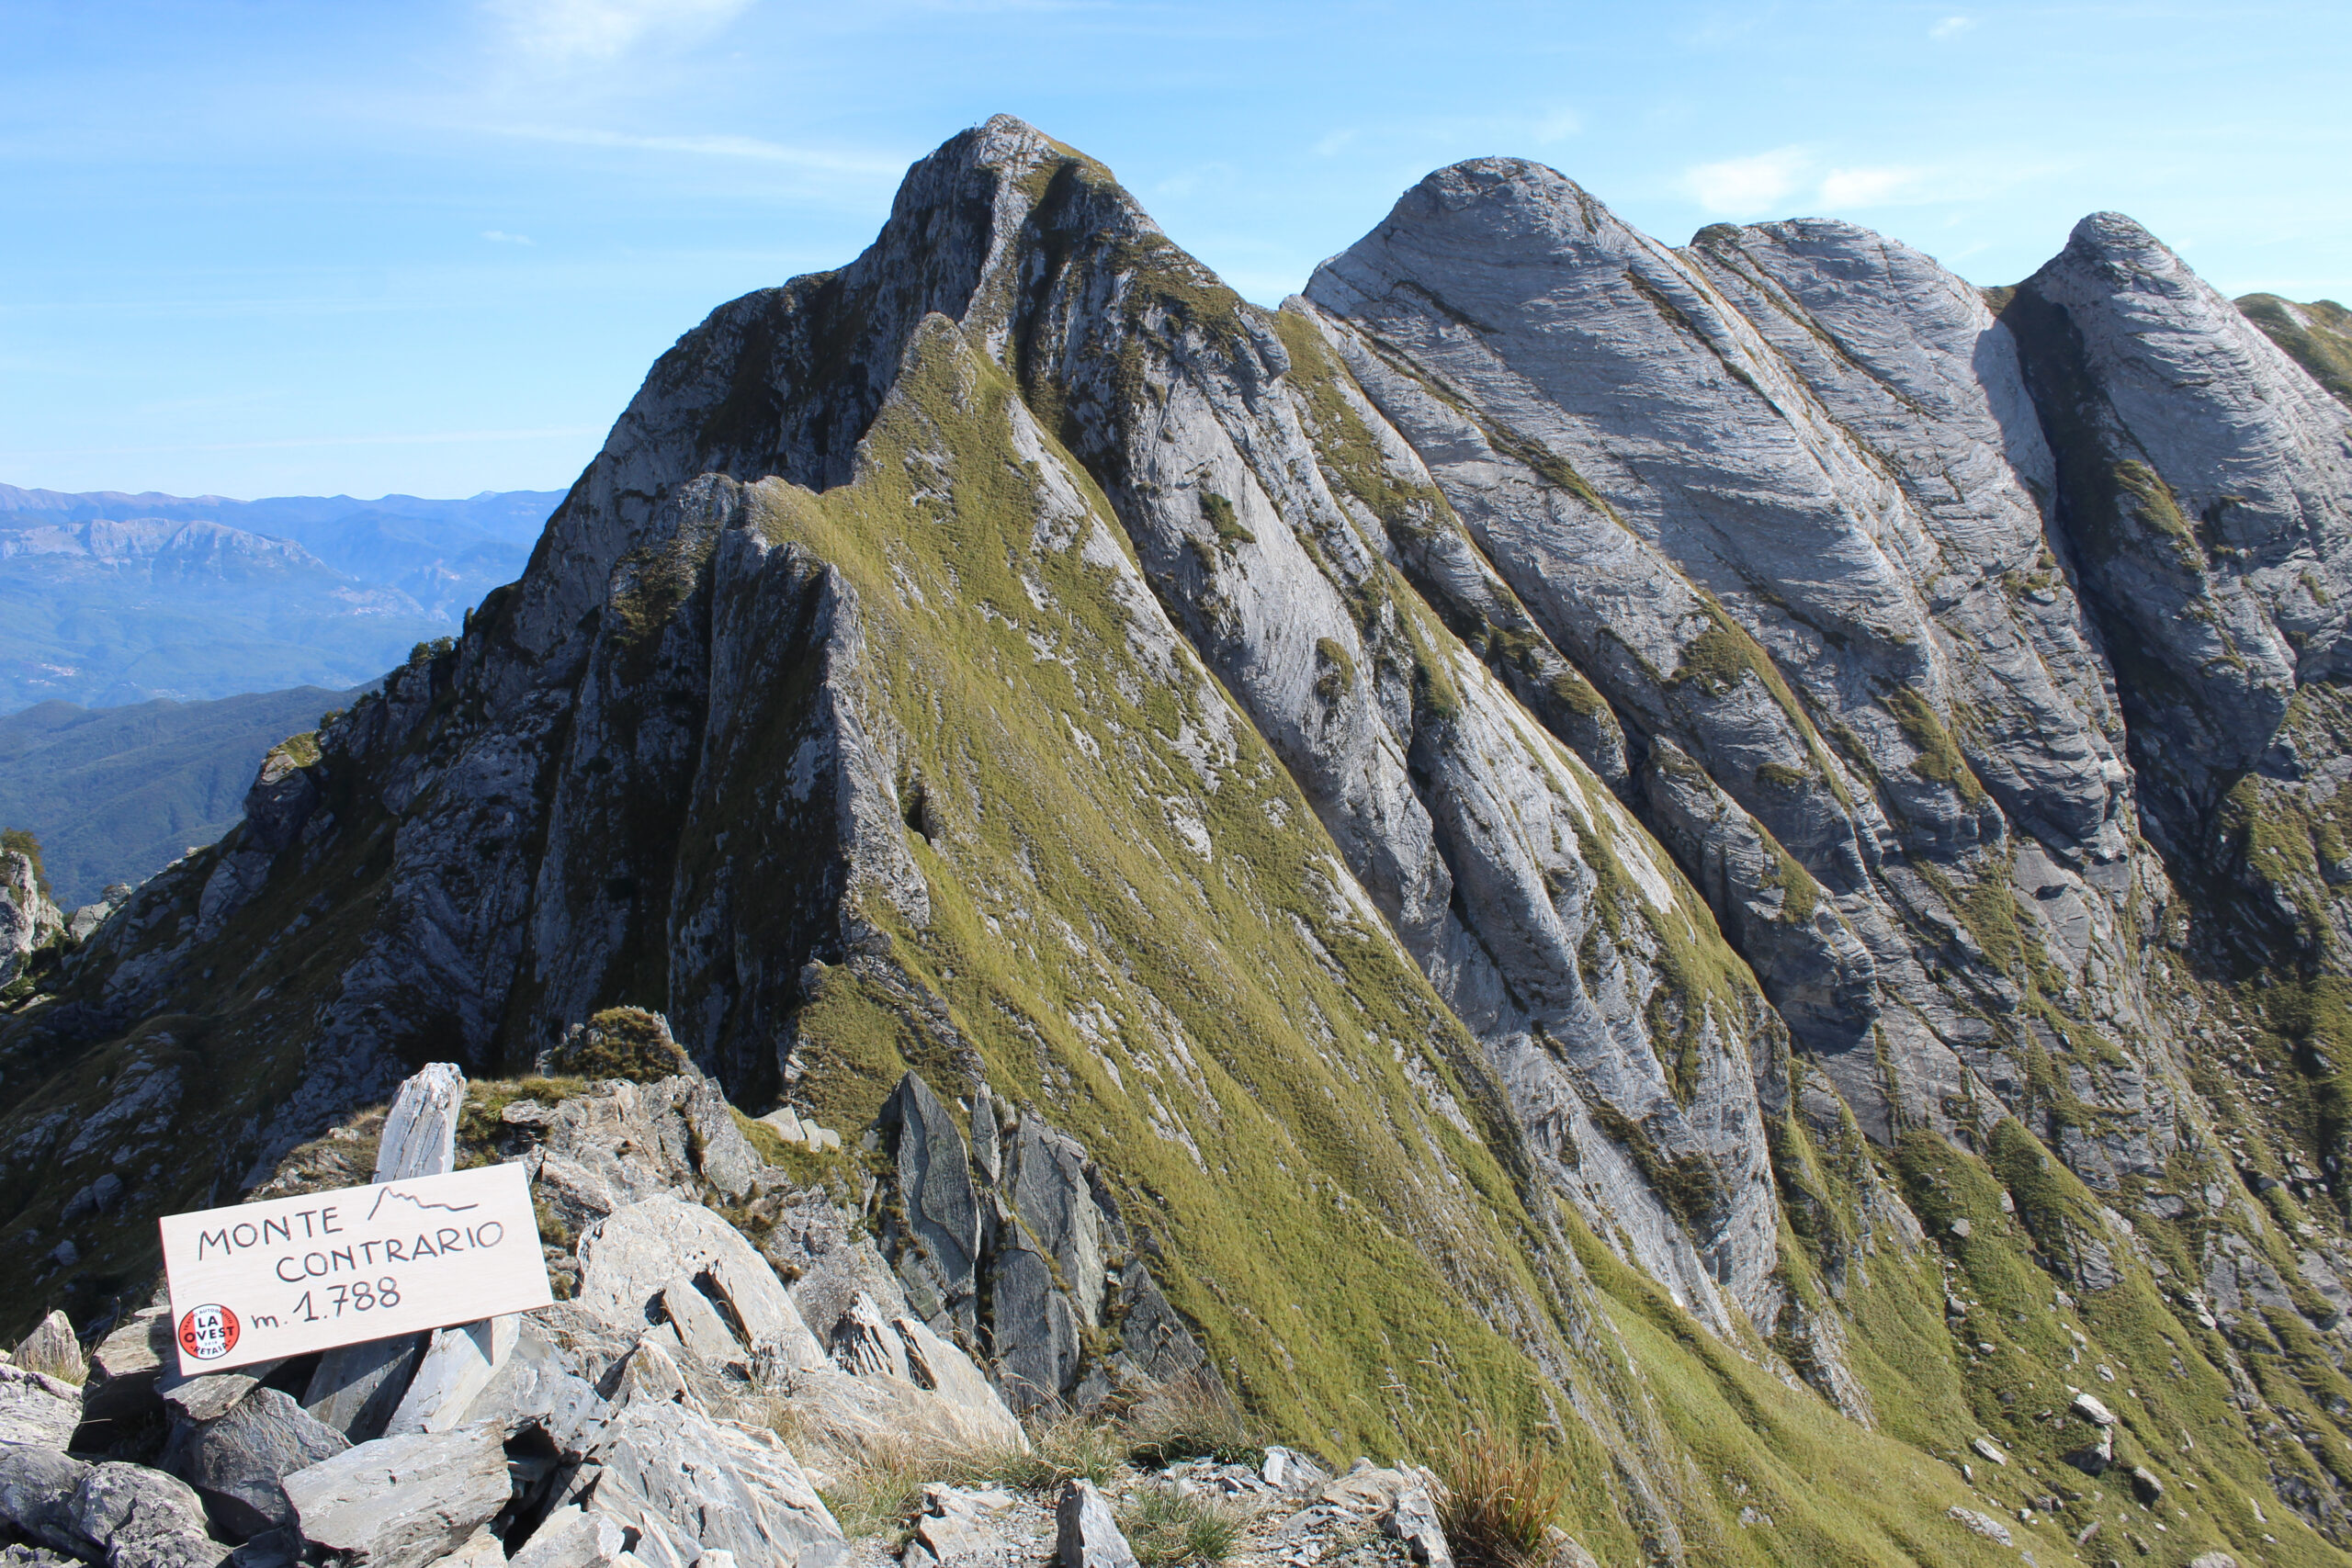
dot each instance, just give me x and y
(2318, 336)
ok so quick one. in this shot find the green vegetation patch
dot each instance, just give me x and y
(1349, 452)
(619, 1042)
(1940, 759)
(2152, 502)
(1219, 512)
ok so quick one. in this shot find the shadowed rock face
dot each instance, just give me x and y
(1553, 785)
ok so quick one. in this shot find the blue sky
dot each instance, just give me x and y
(255, 248)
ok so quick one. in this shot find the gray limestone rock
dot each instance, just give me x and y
(1154, 1343)
(1036, 1328)
(238, 1460)
(722, 1158)
(1086, 1536)
(573, 1538)
(126, 1366)
(1367, 1488)
(1287, 1469)
(703, 1330)
(17, 1554)
(2211, 500)
(1983, 1524)
(143, 1519)
(934, 1180)
(402, 1501)
(528, 1386)
(1047, 1179)
(2091, 1408)
(421, 1129)
(862, 1344)
(358, 1387)
(958, 1526)
(961, 1397)
(27, 919)
(631, 1258)
(212, 1395)
(481, 1549)
(37, 1486)
(649, 1372)
(707, 1485)
(1412, 1519)
(53, 1348)
(604, 1151)
(458, 1364)
(38, 1409)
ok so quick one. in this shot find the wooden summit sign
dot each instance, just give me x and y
(261, 1281)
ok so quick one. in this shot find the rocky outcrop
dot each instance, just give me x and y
(1071, 1313)
(2203, 481)
(29, 921)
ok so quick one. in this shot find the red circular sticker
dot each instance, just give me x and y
(209, 1333)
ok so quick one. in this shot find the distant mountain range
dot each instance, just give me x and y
(108, 598)
(114, 794)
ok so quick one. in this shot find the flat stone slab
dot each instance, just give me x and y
(403, 1502)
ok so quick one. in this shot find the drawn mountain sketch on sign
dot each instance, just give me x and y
(387, 1194)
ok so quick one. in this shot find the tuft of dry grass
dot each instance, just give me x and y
(873, 1488)
(882, 1491)
(1500, 1493)
(1169, 1530)
(1062, 1448)
(1191, 1419)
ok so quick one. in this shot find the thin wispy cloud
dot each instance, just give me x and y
(500, 237)
(1781, 182)
(1867, 187)
(1746, 187)
(751, 148)
(1951, 27)
(566, 32)
(1332, 145)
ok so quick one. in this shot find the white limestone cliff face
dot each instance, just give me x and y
(2205, 496)
(1795, 453)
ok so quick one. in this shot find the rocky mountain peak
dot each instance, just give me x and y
(1702, 833)
(2116, 241)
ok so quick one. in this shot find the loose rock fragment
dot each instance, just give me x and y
(1412, 1519)
(1086, 1536)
